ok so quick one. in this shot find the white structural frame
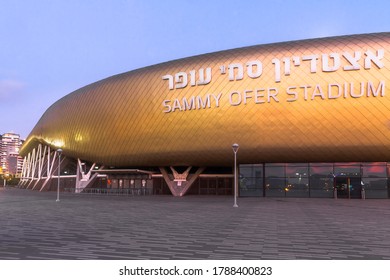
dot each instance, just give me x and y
(41, 164)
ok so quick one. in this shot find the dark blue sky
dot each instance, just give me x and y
(50, 48)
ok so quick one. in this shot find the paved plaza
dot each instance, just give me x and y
(35, 226)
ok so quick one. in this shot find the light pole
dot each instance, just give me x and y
(59, 151)
(235, 147)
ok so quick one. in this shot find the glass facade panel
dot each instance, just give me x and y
(251, 180)
(212, 187)
(348, 180)
(275, 187)
(251, 170)
(114, 183)
(321, 185)
(297, 170)
(374, 170)
(203, 183)
(149, 184)
(251, 187)
(297, 187)
(352, 170)
(137, 184)
(224, 186)
(321, 169)
(275, 171)
(375, 187)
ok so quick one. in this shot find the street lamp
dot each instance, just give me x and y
(235, 147)
(59, 151)
(5, 177)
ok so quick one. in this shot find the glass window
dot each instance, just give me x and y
(245, 170)
(297, 170)
(322, 182)
(277, 164)
(275, 187)
(297, 187)
(274, 171)
(137, 183)
(251, 183)
(321, 185)
(347, 169)
(375, 187)
(376, 169)
(203, 184)
(251, 187)
(321, 169)
(224, 186)
(251, 170)
(114, 183)
(212, 186)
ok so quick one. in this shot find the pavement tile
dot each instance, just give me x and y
(35, 226)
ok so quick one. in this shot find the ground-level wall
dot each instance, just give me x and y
(346, 180)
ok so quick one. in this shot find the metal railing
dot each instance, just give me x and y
(104, 191)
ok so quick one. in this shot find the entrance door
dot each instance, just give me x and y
(348, 187)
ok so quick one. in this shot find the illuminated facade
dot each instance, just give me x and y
(10, 161)
(311, 101)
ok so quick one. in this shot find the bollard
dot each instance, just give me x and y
(335, 193)
(363, 193)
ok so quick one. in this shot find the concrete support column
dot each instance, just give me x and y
(181, 183)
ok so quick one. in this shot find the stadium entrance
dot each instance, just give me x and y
(348, 187)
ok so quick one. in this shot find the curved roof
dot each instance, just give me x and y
(313, 100)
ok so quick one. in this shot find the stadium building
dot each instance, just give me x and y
(311, 117)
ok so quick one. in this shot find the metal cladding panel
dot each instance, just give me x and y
(313, 100)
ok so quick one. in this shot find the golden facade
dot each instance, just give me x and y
(319, 100)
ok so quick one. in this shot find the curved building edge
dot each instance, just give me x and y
(316, 100)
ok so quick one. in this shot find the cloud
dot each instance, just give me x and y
(8, 88)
